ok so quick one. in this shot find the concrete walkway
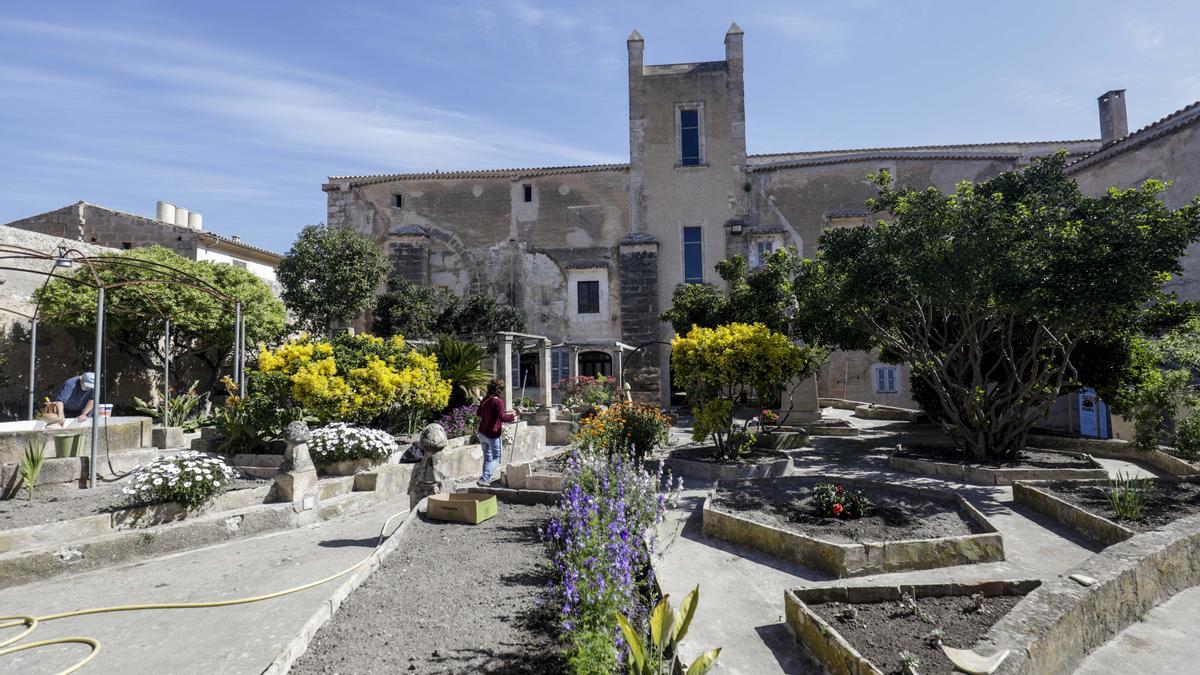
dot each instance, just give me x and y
(1165, 641)
(239, 639)
(741, 607)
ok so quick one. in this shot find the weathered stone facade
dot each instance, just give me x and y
(523, 234)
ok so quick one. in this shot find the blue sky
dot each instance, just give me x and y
(240, 110)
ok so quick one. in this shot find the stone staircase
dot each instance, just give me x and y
(258, 466)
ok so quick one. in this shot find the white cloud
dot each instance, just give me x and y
(353, 125)
(1148, 38)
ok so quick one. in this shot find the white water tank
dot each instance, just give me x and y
(166, 212)
(181, 216)
(196, 220)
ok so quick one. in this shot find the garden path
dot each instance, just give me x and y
(741, 607)
(238, 639)
(1165, 641)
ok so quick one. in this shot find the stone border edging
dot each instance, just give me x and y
(296, 647)
(834, 652)
(711, 471)
(983, 475)
(1117, 449)
(1055, 626)
(861, 559)
(1080, 520)
(875, 411)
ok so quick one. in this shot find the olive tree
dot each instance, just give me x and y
(991, 292)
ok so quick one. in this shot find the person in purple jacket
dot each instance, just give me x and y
(492, 416)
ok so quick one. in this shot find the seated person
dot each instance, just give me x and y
(74, 398)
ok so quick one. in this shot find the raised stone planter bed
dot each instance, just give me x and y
(860, 630)
(1083, 506)
(1059, 623)
(1117, 449)
(872, 411)
(945, 462)
(72, 529)
(72, 472)
(912, 528)
(349, 467)
(166, 438)
(781, 440)
(697, 462)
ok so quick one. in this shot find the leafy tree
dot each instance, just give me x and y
(330, 275)
(990, 292)
(754, 296)
(413, 310)
(201, 324)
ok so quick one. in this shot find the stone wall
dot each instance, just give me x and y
(639, 314)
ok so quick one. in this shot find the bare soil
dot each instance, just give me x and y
(555, 464)
(893, 516)
(1029, 458)
(52, 503)
(879, 630)
(454, 598)
(708, 454)
(1163, 501)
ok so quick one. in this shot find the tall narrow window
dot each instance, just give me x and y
(693, 256)
(689, 137)
(589, 297)
(398, 201)
(528, 190)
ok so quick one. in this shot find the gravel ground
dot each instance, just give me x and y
(52, 503)
(453, 599)
(893, 516)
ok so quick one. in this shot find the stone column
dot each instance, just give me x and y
(638, 273)
(800, 404)
(573, 362)
(427, 478)
(506, 365)
(299, 484)
(619, 367)
(546, 396)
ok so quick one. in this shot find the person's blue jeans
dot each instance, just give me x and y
(492, 453)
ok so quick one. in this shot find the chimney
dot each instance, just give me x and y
(733, 47)
(196, 220)
(1114, 125)
(165, 212)
(237, 239)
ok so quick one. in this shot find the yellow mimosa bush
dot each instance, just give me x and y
(358, 378)
(720, 366)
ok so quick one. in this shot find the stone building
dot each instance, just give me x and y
(592, 254)
(174, 227)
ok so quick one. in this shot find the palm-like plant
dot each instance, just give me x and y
(458, 363)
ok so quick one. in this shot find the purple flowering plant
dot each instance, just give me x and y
(600, 542)
(461, 421)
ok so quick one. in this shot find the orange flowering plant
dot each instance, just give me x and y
(632, 429)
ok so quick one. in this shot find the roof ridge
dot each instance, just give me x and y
(924, 147)
(515, 171)
(1186, 115)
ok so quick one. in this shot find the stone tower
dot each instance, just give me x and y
(687, 169)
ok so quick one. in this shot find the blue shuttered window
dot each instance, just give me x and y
(693, 255)
(689, 137)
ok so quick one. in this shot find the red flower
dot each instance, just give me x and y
(837, 509)
(840, 489)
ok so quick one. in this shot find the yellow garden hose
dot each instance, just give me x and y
(31, 623)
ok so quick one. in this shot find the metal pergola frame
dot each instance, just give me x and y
(65, 257)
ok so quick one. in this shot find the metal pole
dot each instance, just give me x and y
(237, 346)
(243, 361)
(166, 372)
(32, 363)
(96, 388)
